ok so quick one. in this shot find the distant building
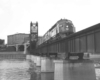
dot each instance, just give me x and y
(26, 39)
(18, 38)
(2, 41)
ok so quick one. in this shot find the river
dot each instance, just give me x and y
(15, 70)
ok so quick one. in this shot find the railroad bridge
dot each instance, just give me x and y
(50, 55)
(84, 41)
(84, 44)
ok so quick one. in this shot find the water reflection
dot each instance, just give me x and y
(97, 70)
(14, 70)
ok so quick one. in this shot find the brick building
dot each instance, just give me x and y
(18, 38)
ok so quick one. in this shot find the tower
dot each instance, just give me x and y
(33, 36)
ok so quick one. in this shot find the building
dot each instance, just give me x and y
(2, 41)
(18, 38)
(2, 44)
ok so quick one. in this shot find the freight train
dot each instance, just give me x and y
(61, 29)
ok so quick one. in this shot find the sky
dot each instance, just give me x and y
(16, 15)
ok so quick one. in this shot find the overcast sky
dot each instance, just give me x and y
(15, 15)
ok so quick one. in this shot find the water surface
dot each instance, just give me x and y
(14, 70)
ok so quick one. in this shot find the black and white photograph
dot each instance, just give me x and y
(49, 39)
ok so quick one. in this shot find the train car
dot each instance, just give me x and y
(50, 44)
(61, 29)
(65, 26)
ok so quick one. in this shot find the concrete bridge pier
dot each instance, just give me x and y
(28, 57)
(74, 70)
(36, 60)
(17, 47)
(26, 45)
(25, 49)
(47, 65)
(47, 69)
